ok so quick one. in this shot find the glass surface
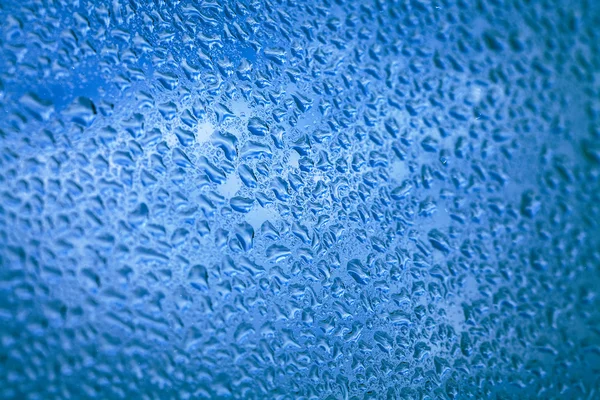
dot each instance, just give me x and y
(299, 200)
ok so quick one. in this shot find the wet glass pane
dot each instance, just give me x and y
(274, 199)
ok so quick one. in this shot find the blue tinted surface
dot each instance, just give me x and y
(299, 200)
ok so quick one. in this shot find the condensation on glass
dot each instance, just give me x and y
(299, 199)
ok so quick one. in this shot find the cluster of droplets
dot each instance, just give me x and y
(264, 199)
